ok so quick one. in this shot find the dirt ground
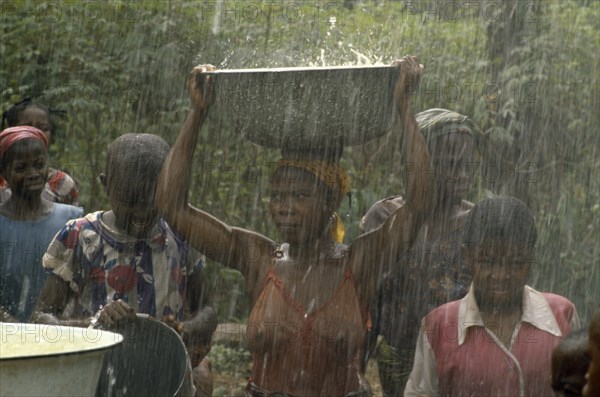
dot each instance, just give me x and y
(225, 385)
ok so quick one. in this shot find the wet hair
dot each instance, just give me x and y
(10, 118)
(134, 162)
(570, 357)
(500, 218)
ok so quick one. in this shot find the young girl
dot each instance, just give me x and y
(28, 222)
(60, 187)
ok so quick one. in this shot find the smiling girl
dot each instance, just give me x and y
(28, 222)
(60, 187)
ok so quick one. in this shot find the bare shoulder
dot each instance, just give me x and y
(379, 212)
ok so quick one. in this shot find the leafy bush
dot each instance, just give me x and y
(120, 66)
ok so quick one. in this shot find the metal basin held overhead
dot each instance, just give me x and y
(307, 107)
(50, 360)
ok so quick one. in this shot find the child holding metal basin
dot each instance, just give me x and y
(311, 294)
(110, 265)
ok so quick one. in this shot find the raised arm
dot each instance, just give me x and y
(228, 245)
(382, 246)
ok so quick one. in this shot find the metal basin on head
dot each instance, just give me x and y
(307, 107)
(50, 360)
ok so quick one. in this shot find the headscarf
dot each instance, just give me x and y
(11, 135)
(333, 176)
(437, 122)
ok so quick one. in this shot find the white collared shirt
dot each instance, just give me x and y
(535, 311)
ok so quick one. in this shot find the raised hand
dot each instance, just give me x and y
(410, 75)
(200, 87)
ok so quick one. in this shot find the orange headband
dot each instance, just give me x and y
(331, 174)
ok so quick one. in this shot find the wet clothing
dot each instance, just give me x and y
(23, 244)
(305, 354)
(457, 355)
(60, 188)
(254, 391)
(103, 265)
(428, 275)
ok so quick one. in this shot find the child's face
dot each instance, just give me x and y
(500, 271)
(36, 117)
(134, 211)
(27, 169)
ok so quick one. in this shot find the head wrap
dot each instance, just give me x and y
(436, 122)
(330, 174)
(11, 135)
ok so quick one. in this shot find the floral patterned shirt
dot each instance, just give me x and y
(102, 265)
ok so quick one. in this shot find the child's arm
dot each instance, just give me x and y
(200, 318)
(63, 260)
(198, 330)
(52, 302)
(54, 298)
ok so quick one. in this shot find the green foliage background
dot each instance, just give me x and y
(121, 66)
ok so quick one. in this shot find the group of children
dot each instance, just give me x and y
(60, 267)
(484, 330)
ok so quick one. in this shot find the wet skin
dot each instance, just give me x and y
(453, 159)
(132, 207)
(300, 206)
(36, 117)
(302, 214)
(500, 271)
(26, 174)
